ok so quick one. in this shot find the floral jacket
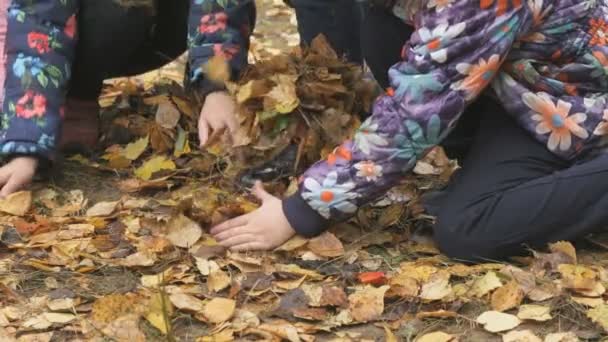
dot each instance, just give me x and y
(40, 49)
(545, 60)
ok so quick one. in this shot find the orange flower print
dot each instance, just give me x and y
(478, 76)
(602, 128)
(501, 5)
(340, 153)
(556, 120)
(598, 31)
(369, 170)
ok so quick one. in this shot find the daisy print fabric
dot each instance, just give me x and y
(546, 61)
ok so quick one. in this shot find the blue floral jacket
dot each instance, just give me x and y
(40, 49)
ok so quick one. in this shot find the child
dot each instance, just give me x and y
(56, 54)
(533, 78)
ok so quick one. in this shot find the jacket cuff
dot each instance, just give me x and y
(302, 218)
(11, 149)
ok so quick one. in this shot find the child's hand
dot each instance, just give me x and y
(263, 229)
(18, 173)
(217, 115)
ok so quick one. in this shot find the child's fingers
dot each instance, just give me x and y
(237, 240)
(203, 132)
(227, 234)
(260, 192)
(13, 184)
(233, 223)
(249, 246)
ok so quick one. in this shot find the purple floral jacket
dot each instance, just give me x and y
(40, 45)
(545, 60)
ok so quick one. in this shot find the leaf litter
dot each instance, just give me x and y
(131, 263)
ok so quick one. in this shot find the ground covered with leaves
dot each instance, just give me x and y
(115, 247)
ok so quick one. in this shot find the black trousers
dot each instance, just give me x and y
(511, 192)
(116, 41)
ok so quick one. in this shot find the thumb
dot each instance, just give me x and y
(203, 132)
(259, 192)
(13, 184)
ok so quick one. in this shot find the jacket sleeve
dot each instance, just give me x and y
(449, 61)
(40, 45)
(218, 28)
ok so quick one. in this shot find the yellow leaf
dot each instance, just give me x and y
(389, 336)
(562, 337)
(494, 321)
(578, 277)
(437, 288)
(484, 285)
(186, 302)
(537, 313)
(599, 315)
(437, 336)
(134, 150)
(102, 209)
(218, 280)
(283, 97)
(564, 247)
(183, 106)
(251, 90)
(507, 297)
(18, 203)
(154, 165)
(219, 310)
(159, 313)
(217, 69)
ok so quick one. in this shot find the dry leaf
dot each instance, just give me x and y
(102, 209)
(403, 286)
(135, 149)
(186, 302)
(562, 337)
(326, 245)
(507, 297)
(566, 248)
(167, 116)
(388, 334)
(599, 315)
(537, 313)
(154, 165)
(125, 328)
(437, 288)
(59, 318)
(437, 336)
(293, 244)
(18, 203)
(160, 310)
(578, 277)
(183, 232)
(589, 302)
(437, 314)
(367, 303)
(494, 321)
(521, 336)
(219, 310)
(484, 285)
(218, 280)
(217, 69)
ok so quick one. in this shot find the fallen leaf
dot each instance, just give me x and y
(484, 285)
(437, 336)
(437, 314)
(326, 245)
(578, 277)
(495, 321)
(566, 248)
(388, 334)
(186, 302)
(437, 288)
(589, 302)
(367, 303)
(507, 297)
(520, 336)
(154, 165)
(599, 315)
(537, 313)
(39, 322)
(283, 330)
(135, 149)
(59, 318)
(218, 280)
(159, 312)
(562, 337)
(167, 116)
(102, 209)
(183, 232)
(18, 203)
(217, 69)
(403, 286)
(219, 310)
(293, 244)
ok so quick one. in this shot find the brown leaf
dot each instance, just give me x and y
(186, 302)
(507, 297)
(437, 288)
(367, 303)
(403, 286)
(18, 203)
(218, 280)
(537, 313)
(565, 248)
(102, 209)
(167, 116)
(521, 336)
(183, 232)
(326, 245)
(437, 314)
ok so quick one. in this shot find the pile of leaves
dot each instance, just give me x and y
(132, 260)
